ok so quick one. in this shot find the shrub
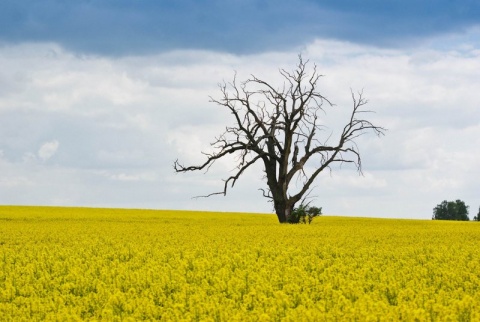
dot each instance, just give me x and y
(477, 217)
(304, 214)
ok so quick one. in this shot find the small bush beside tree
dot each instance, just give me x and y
(451, 210)
(304, 214)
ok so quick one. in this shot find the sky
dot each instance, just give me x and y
(99, 98)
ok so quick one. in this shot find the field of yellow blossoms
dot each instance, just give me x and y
(68, 264)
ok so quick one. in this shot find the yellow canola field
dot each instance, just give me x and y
(67, 264)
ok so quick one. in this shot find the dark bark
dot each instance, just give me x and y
(283, 209)
(281, 128)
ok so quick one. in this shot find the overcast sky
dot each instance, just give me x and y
(99, 98)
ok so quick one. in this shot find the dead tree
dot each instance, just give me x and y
(280, 127)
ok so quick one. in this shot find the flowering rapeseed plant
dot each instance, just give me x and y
(128, 265)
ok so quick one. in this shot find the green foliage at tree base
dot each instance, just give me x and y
(304, 214)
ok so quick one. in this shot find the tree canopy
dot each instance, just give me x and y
(451, 210)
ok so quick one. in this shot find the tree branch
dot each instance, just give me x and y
(282, 127)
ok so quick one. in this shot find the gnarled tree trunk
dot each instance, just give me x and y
(283, 211)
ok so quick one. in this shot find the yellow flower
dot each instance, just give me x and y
(78, 264)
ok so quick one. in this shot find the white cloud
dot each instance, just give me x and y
(15, 182)
(48, 150)
(122, 122)
(128, 177)
(29, 158)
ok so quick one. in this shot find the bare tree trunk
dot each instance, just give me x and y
(281, 216)
(283, 211)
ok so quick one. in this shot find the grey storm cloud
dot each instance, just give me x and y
(128, 27)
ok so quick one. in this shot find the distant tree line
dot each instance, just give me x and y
(453, 210)
(477, 217)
